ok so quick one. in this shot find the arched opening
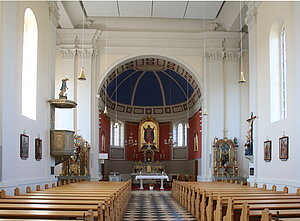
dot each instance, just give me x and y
(157, 95)
(29, 65)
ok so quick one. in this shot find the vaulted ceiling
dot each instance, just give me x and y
(150, 86)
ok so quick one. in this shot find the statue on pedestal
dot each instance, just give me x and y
(63, 88)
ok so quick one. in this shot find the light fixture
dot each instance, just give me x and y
(242, 78)
(204, 112)
(105, 110)
(169, 141)
(130, 141)
(81, 75)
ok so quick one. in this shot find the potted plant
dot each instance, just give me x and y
(151, 186)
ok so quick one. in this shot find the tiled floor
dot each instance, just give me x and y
(155, 205)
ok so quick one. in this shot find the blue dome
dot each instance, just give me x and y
(145, 87)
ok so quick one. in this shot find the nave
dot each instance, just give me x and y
(155, 205)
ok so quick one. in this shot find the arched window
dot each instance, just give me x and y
(29, 65)
(116, 134)
(278, 88)
(180, 132)
(283, 75)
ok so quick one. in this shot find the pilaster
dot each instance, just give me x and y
(251, 22)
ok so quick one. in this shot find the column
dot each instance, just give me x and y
(213, 123)
(54, 18)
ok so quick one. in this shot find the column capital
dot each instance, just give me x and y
(85, 53)
(67, 53)
(53, 12)
(233, 56)
(214, 55)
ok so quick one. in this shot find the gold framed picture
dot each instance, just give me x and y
(196, 142)
(149, 135)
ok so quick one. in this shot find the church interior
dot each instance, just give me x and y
(186, 105)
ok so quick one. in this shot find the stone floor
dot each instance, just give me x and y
(155, 205)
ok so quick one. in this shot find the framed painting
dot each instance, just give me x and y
(196, 142)
(149, 135)
(38, 149)
(284, 148)
(24, 146)
(268, 150)
(103, 142)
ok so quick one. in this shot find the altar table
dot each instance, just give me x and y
(152, 177)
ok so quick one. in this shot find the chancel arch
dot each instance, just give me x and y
(151, 94)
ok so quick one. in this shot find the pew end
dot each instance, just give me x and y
(16, 191)
(266, 215)
(28, 189)
(2, 194)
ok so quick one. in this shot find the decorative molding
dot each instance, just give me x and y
(233, 56)
(53, 12)
(85, 53)
(122, 108)
(67, 53)
(251, 13)
(214, 56)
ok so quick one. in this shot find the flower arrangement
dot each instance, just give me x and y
(151, 186)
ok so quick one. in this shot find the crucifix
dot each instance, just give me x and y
(249, 143)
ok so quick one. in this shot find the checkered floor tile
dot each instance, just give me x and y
(155, 205)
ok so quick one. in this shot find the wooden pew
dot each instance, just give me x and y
(113, 199)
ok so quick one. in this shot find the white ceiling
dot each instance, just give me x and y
(153, 8)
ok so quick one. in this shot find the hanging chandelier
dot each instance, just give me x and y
(169, 141)
(130, 141)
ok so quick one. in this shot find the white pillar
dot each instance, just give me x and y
(213, 123)
(94, 164)
(54, 17)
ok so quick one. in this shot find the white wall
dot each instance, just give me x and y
(278, 171)
(15, 171)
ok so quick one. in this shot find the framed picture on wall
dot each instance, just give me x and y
(284, 148)
(196, 142)
(268, 150)
(24, 146)
(103, 142)
(38, 149)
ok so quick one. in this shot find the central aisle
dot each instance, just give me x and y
(155, 205)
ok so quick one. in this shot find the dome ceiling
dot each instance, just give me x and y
(150, 86)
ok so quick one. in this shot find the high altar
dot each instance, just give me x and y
(148, 165)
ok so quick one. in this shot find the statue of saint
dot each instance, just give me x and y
(63, 88)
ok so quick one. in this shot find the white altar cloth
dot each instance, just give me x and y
(152, 177)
